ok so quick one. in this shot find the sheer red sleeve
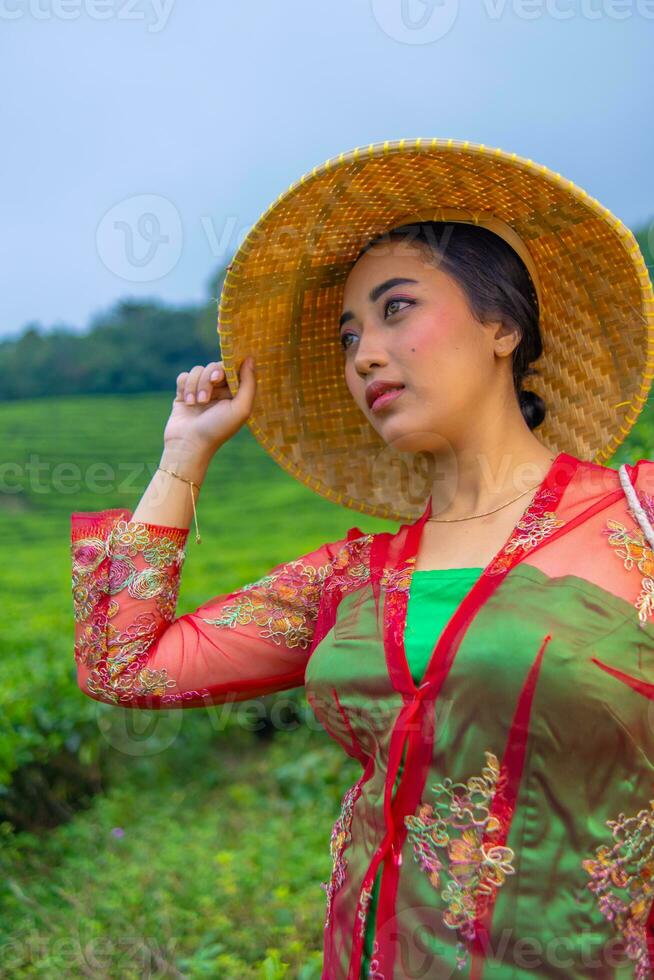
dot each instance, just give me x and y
(131, 650)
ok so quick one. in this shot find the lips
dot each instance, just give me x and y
(377, 388)
(390, 395)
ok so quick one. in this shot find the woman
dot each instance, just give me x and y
(494, 676)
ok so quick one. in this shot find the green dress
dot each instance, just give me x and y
(433, 596)
(519, 842)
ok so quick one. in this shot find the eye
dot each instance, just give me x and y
(396, 299)
(348, 333)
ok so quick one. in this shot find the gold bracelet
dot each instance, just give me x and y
(198, 539)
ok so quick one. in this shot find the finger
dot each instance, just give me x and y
(247, 385)
(190, 388)
(211, 375)
(179, 386)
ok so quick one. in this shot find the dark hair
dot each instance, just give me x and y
(497, 285)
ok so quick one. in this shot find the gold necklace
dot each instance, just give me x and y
(449, 520)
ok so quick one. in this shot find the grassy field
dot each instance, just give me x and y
(202, 852)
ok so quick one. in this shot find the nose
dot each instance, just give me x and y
(369, 352)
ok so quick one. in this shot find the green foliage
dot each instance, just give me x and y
(136, 346)
(645, 238)
(226, 836)
(181, 843)
(182, 869)
(92, 452)
(89, 453)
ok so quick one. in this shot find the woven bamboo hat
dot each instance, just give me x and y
(282, 299)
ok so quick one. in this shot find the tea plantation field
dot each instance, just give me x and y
(152, 843)
(170, 843)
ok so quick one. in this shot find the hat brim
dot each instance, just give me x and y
(282, 298)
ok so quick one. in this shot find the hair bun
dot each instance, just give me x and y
(533, 408)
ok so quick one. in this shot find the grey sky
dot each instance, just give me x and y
(211, 109)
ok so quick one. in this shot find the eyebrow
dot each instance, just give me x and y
(374, 295)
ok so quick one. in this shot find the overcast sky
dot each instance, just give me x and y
(127, 123)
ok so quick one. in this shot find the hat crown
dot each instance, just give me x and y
(282, 299)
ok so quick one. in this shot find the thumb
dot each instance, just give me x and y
(246, 383)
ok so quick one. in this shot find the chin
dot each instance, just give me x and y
(409, 442)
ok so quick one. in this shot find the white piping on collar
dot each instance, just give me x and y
(635, 505)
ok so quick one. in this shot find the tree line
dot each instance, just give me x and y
(137, 346)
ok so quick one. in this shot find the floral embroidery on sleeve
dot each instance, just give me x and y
(283, 604)
(350, 567)
(454, 836)
(622, 880)
(103, 565)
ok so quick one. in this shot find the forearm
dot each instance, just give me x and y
(167, 499)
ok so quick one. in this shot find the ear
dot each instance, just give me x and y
(505, 336)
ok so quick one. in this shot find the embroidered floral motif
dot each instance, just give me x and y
(284, 604)
(633, 548)
(362, 912)
(647, 503)
(398, 580)
(160, 579)
(457, 835)
(374, 971)
(102, 567)
(340, 838)
(530, 530)
(132, 537)
(622, 879)
(534, 526)
(350, 567)
(397, 583)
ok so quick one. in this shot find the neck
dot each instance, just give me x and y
(472, 481)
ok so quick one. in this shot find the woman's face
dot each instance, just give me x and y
(423, 335)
